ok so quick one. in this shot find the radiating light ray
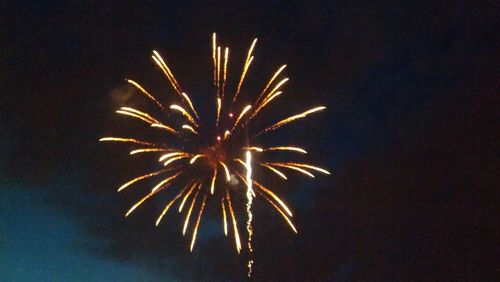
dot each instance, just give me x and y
(166, 70)
(143, 91)
(212, 184)
(224, 220)
(243, 112)
(276, 198)
(267, 191)
(165, 181)
(126, 140)
(165, 127)
(141, 201)
(264, 103)
(186, 97)
(219, 105)
(287, 148)
(197, 223)
(270, 82)
(226, 57)
(245, 69)
(275, 170)
(133, 115)
(257, 149)
(226, 134)
(143, 114)
(147, 150)
(269, 97)
(186, 222)
(248, 61)
(193, 159)
(293, 167)
(171, 160)
(218, 71)
(139, 178)
(226, 170)
(214, 44)
(235, 226)
(241, 162)
(167, 207)
(166, 156)
(310, 167)
(282, 213)
(184, 113)
(190, 128)
(186, 196)
(290, 119)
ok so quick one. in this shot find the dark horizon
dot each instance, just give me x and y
(409, 135)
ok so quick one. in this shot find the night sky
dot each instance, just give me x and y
(409, 135)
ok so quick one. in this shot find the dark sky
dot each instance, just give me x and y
(409, 134)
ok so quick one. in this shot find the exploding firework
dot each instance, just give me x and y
(206, 162)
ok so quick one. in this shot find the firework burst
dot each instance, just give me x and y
(208, 159)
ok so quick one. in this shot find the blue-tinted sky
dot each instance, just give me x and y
(409, 135)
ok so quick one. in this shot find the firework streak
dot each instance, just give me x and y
(210, 170)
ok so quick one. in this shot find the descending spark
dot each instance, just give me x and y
(257, 149)
(224, 216)
(128, 140)
(212, 184)
(250, 194)
(146, 150)
(226, 57)
(282, 213)
(190, 128)
(281, 174)
(290, 119)
(218, 71)
(268, 192)
(134, 115)
(166, 70)
(141, 201)
(169, 155)
(190, 104)
(184, 113)
(226, 170)
(171, 160)
(310, 167)
(193, 159)
(293, 168)
(214, 44)
(243, 112)
(165, 181)
(162, 126)
(276, 198)
(248, 61)
(143, 91)
(142, 114)
(269, 83)
(197, 223)
(139, 178)
(264, 103)
(241, 162)
(235, 227)
(219, 105)
(186, 222)
(167, 207)
(287, 148)
(186, 196)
